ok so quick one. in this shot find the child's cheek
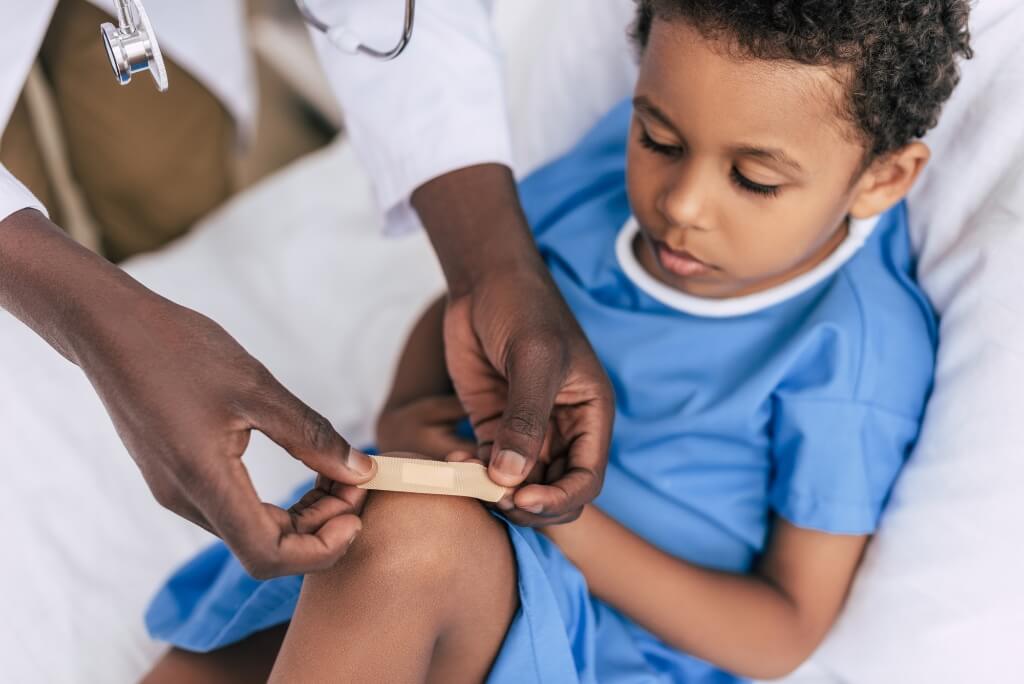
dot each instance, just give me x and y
(641, 185)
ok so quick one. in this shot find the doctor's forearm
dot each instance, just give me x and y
(55, 286)
(476, 225)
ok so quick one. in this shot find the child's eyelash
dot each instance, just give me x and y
(649, 142)
(738, 178)
(750, 186)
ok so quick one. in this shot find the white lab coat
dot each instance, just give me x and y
(437, 108)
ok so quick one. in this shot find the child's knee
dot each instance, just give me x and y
(442, 565)
(423, 540)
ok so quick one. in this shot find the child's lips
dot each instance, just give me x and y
(681, 263)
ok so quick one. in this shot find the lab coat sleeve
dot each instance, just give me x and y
(438, 107)
(14, 196)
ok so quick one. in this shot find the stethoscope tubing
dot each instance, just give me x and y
(407, 25)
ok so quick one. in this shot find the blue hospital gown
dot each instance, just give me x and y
(806, 407)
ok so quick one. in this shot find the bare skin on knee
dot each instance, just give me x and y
(425, 594)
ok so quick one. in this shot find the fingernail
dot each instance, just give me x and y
(360, 462)
(504, 505)
(510, 463)
(535, 509)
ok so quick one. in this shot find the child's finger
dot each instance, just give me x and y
(463, 456)
(442, 409)
(453, 443)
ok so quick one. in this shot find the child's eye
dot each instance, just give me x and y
(750, 186)
(656, 147)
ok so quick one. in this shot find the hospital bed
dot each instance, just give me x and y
(302, 275)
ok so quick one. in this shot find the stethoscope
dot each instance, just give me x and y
(132, 46)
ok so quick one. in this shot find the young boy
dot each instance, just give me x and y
(747, 284)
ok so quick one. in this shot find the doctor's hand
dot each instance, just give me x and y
(184, 397)
(518, 359)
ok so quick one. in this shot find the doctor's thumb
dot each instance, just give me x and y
(310, 438)
(520, 438)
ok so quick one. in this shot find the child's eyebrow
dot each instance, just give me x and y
(769, 154)
(641, 102)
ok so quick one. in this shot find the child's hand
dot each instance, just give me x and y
(426, 426)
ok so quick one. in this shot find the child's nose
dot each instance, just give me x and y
(684, 200)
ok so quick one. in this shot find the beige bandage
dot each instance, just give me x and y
(396, 474)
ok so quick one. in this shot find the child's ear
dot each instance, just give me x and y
(888, 180)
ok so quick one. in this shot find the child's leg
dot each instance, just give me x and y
(247, 661)
(425, 594)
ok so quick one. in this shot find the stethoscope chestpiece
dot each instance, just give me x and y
(132, 46)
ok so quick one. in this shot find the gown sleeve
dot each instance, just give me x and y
(835, 461)
(14, 196)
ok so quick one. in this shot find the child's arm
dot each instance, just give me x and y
(422, 410)
(421, 369)
(761, 625)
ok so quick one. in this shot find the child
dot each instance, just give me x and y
(752, 301)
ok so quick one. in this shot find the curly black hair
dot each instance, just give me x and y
(899, 57)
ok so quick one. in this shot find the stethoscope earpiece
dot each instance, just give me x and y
(132, 46)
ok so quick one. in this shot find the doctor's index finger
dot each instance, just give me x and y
(569, 493)
(578, 479)
(305, 434)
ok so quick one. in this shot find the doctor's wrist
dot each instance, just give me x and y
(477, 226)
(68, 295)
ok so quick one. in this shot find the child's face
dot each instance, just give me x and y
(740, 171)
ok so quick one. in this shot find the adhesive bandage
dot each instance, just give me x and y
(417, 476)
